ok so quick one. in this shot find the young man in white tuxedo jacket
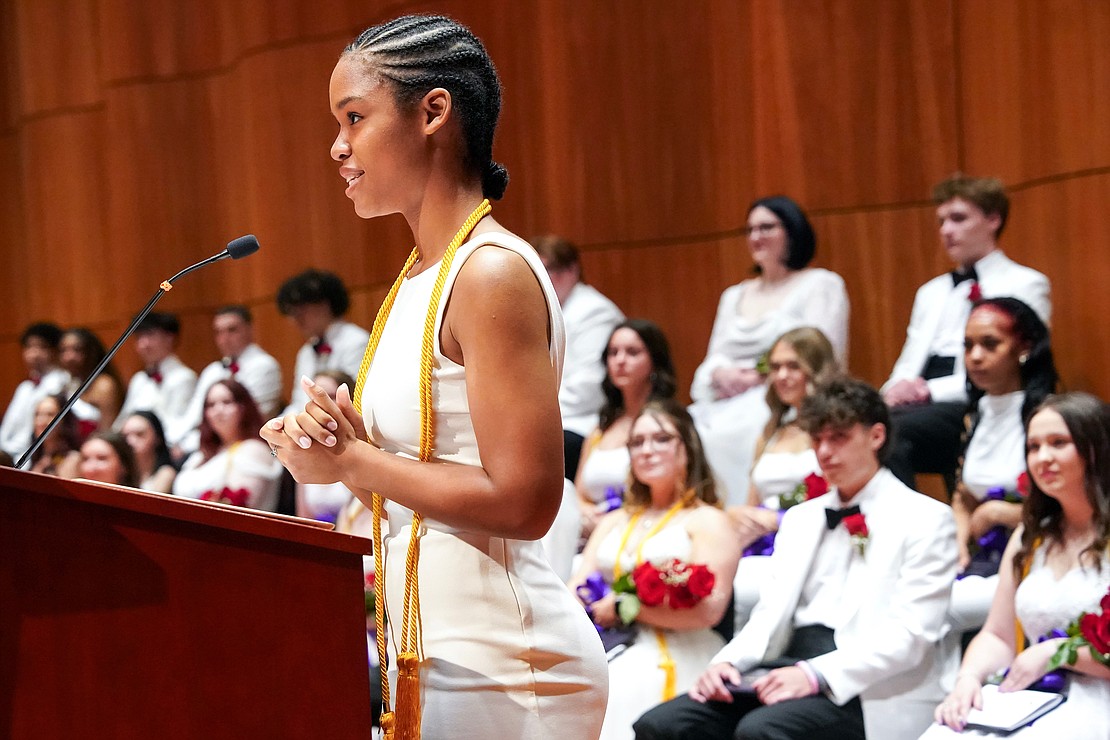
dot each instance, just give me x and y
(851, 625)
(927, 388)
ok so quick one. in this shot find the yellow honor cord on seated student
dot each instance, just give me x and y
(666, 662)
(404, 723)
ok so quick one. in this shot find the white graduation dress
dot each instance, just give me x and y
(509, 652)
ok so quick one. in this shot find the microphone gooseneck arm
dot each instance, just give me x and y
(241, 247)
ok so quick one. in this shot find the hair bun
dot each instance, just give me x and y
(495, 178)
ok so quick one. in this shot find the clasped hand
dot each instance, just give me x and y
(310, 443)
(780, 684)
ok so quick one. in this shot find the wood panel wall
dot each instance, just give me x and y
(138, 136)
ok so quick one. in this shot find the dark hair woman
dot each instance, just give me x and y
(462, 368)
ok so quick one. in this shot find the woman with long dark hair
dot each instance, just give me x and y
(1056, 566)
(143, 431)
(79, 352)
(638, 369)
(232, 465)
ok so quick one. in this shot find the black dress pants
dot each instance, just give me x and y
(809, 718)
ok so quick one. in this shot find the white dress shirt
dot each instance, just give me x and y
(939, 317)
(348, 344)
(16, 430)
(996, 452)
(168, 399)
(590, 318)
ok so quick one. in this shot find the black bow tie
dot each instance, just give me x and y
(958, 277)
(834, 517)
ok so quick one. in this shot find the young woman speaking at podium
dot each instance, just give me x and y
(452, 432)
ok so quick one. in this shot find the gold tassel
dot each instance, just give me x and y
(388, 724)
(407, 708)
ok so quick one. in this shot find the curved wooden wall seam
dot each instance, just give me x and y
(136, 138)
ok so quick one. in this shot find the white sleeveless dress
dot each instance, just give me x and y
(635, 678)
(509, 652)
(1044, 603)
(774, 474)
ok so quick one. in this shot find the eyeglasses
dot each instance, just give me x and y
(761, 229)
(657, 441)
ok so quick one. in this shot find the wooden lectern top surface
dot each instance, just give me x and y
(226, 516)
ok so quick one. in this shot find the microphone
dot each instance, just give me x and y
(236, 249)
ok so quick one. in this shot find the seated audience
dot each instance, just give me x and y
(786, 470)
(850, 622)
(927, 387)
(728, 389)
(638, 369)
(57, 455)
(44, 378)
(165, 384)
(106, 457)
(143, 432)
(1010, 371)
(233, 465)
(240, 359)
(1056, 567)
(79, 353)
(590, 319)
(316, 301)
(325, 501)
(670, 513)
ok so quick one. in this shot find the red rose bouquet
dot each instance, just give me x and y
(1089, 630)
(676, 584)
(857, 528)
(233, 496)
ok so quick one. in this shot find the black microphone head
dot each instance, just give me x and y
(242, 247)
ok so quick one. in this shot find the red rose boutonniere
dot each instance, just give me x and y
(1088, 630)
(233, 496)
(857, 528)
(676, 584)
(810, 488)
(1023, 485)
(975, 294)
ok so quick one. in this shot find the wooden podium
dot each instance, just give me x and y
(126, 614)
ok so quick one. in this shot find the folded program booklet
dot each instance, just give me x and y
(1006, 712)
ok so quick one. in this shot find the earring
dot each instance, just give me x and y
(1023, 358)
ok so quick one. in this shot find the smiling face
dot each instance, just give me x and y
(223, 413)
(46, 410)
(767, 238)
(966, 232)
(627, 361)
(38, 356)
(378, 144)
(1053, 459)
(72, 355)
(789, 377)
(992, 351)
(658, 456)
(100, 462)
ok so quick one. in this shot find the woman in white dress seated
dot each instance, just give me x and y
(233, 465)
(785, 294)
(784, 458)
(1010, 370)
(671, 512)
(106, 457)
(144, 433)
(1056, 566)
(638, 369)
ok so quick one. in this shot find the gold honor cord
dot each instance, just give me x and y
(404, 724)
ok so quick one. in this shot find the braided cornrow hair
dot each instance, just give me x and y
(418, 53)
